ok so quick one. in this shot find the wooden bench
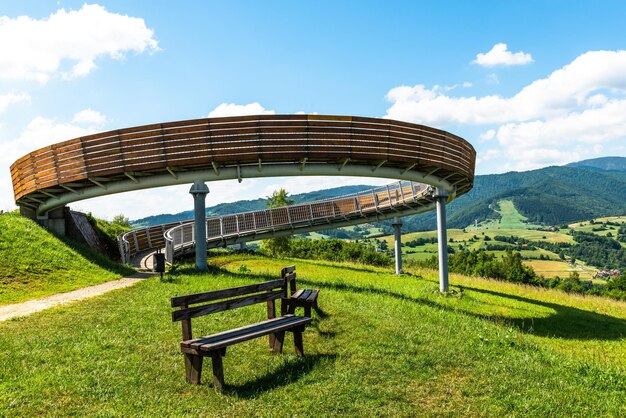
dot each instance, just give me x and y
(306, 298)
(214, 346)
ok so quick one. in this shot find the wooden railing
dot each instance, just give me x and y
(65, 171)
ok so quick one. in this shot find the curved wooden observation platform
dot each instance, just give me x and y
(195, 151)
(236, 148)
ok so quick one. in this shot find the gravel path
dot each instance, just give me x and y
(36, 305)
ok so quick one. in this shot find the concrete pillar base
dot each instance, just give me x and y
(54, 220)
(199, 190)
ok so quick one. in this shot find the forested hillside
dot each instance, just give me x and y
(551, 195)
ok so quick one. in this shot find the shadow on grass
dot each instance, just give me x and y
(286, 374)
(95, 257)
(293, 260)
(566, 322)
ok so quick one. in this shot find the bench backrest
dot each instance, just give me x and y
(288, 274)
(225, 299)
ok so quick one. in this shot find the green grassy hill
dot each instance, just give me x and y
(385, 345)
(35, 263)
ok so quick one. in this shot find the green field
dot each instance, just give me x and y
(510, 218)
(511, 224)
(385, 345)
(552, 268)
(598, 228)
(35, 263)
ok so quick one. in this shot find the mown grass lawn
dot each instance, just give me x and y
(382, 346)
(35, 263)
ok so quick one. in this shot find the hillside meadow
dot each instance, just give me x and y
(35, 263)
(382, 345)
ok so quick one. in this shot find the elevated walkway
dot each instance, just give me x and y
(394, 200)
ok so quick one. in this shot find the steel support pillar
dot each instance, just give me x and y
(397, 224)
(442, 238)
(199, 190)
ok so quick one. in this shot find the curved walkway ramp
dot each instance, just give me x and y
(394, 200)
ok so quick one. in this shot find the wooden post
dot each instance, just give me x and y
(218, 370)
(193, 368)
(278, 342)
(297, 342)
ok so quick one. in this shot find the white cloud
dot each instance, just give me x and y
(576, 107)
(232, 109)
(67, 43)
(487, 135)
(89, 117)
(11, 98)
(500, 55)
(40, 132)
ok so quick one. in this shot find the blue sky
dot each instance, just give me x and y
(529, 84)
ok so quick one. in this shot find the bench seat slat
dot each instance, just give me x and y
(305, 294)
(230, 337)
(224, 293)
(313, 296)
(297, 294)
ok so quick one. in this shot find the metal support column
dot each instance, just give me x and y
(397, 224)
(199, 190)
(441, 196)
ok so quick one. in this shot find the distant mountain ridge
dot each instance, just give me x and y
(550, 195)
(602, 164)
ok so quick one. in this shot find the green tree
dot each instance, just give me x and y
(279, 198)
(121, 220)
(280, 245)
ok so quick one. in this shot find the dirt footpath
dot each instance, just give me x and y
(36, 305)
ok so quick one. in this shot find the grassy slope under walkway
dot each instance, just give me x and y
(34, 263)
(385, 346)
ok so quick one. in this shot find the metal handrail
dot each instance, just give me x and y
(354, 208)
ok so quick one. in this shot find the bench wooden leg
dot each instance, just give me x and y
(297, 342)
(193, 368)
(218, 370)
(272, 339)
(307, 310)
(278, 342)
